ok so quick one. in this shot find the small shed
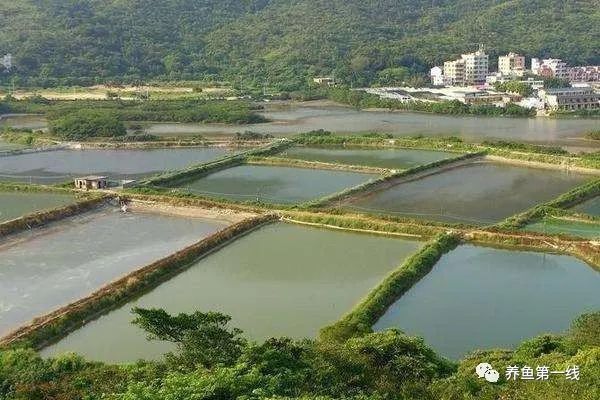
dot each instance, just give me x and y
(91, 182)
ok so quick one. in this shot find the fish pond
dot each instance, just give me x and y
(60, 165)
(383, 158)
(281, 280)
(591, 207)
(478, 193)
(47, 268)
(481, 298)
(16, 204)
(578, 228)
(280, 185)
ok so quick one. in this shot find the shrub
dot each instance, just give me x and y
(85, 123)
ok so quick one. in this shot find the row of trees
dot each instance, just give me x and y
(213, 361)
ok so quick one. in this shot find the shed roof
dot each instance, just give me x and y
(92, 178)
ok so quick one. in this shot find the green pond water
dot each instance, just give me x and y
(46, 268)
(574, 228)
(478, 193)
(591, 207)
(481, 298)
(15, 204)
(384, 158)
(61, 165)
(282, 280)
(275, 184)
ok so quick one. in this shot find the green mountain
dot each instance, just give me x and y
(281, 42)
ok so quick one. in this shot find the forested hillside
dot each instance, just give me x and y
(281, 42)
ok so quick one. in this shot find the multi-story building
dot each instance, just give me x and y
(476, 67)
(454, 72)
(590, 73)
(469, 69)
(570, 99)
(550, 67)
(511, 64)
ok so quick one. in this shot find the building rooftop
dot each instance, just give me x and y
(92, 178)
(569, 89)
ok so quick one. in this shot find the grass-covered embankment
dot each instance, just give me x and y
(40, 218)
(51, 327)
(360, 319)
(382, 224)
(450, 144)
(557, 244)
(571, 198)
(297, 163)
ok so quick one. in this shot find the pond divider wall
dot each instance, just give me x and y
(373, 184)
(361, 223)
(566, 200)
(200, 170)
(180, 199)
(583, 249)
(40, 218)
(362, 317)
(51, 327)
(542, 161)
(298, 163)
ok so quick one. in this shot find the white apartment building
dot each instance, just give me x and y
(476, 67)
(550, 67)
(454, 72)
(511, 64)
(470, 69)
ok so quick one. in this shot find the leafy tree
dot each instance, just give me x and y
(550, 83)
(519, 87)
(202, 339)
(87, 123)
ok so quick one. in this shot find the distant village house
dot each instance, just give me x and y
(91, 182)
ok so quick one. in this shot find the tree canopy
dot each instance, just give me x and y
(281, 43)
(381, 365)
(87, 123)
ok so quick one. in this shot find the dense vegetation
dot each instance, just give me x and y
(518, 87)
(213, 361)
(209, 111)
(281, 43)
(87, 123)
(594, 135)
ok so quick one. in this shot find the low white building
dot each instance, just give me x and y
(570, 99)
(437, 76)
